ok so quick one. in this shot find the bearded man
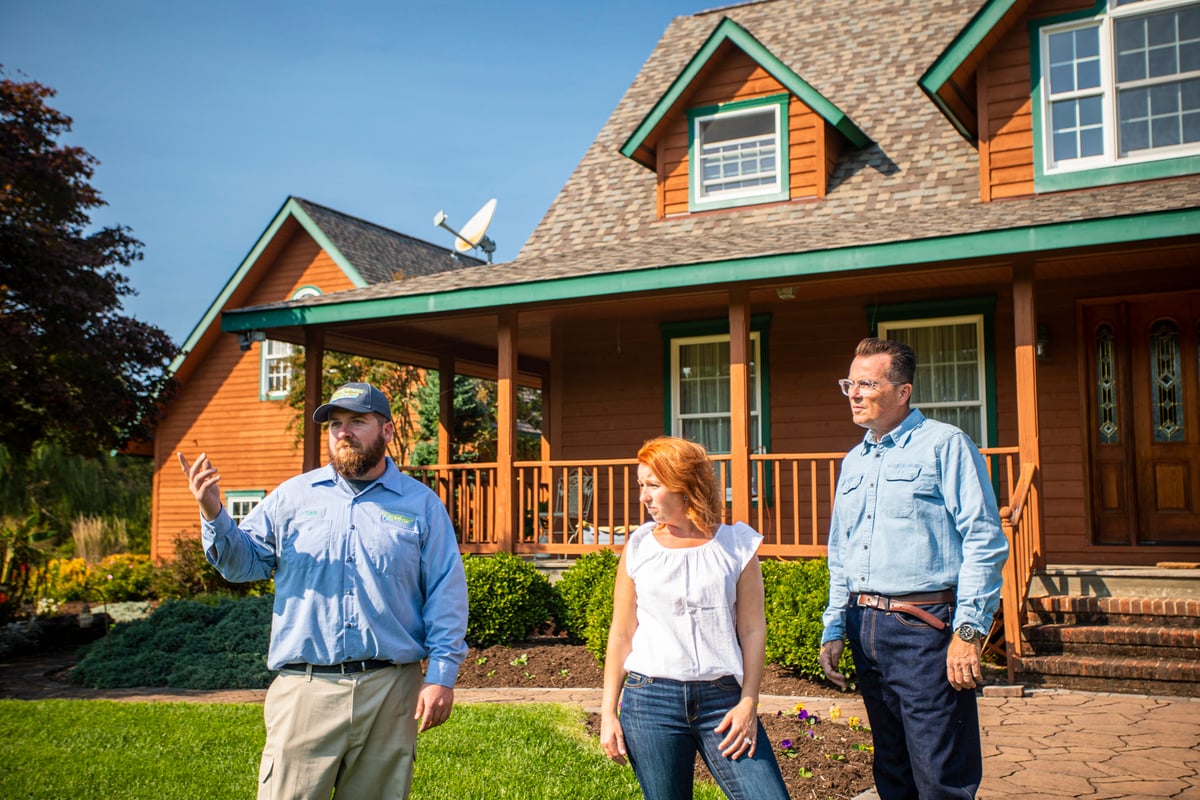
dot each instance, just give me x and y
(368, 584)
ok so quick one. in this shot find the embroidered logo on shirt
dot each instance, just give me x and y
(403, 519)
(312, 512)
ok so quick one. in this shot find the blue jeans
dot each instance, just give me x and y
(927, 743)
(666, 722)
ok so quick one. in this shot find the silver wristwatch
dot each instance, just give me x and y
(968, 633)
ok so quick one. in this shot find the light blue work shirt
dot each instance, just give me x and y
(915, 512)
(373, 575)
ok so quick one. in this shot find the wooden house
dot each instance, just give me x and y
(232, 389)
(1011, 186)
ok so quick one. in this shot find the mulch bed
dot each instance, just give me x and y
(824, 759)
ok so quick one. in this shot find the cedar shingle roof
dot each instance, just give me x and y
(918, 180)
(381, 254)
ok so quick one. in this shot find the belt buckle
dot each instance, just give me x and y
(875, 601)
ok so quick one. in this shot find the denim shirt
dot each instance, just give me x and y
(375, 575)
(915, 512)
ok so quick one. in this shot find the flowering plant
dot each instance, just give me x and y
(809, 722)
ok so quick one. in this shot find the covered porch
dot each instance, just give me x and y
(581, 495)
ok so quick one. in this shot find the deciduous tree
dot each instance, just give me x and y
(73, 367)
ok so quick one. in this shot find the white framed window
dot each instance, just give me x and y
(951, 380)
(700, 391)
(1121, 87)
(240, 504)
(276, 368)
(738, 153)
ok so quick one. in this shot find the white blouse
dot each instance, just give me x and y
(686, 604)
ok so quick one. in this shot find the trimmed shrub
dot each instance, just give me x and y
(577, 585)
(185, 644)
(796, 593)
(509, 600)
(599, 618)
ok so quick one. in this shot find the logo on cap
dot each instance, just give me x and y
(347, 392)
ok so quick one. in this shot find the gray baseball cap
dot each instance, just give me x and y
(360, 397)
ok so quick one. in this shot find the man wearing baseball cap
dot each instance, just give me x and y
(368, 583)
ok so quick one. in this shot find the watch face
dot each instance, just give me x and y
(967, 633)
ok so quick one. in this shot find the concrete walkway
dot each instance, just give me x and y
(1042, 745)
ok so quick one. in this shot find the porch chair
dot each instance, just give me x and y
(572, 503)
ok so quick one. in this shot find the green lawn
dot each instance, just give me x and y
(71, 749)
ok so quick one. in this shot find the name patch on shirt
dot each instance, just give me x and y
(402, 519)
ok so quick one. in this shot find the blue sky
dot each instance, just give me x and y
(205, 116)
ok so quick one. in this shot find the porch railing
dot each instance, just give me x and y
(1019, 520)
(578, 506)
(468, 492)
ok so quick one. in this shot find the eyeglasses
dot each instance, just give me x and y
(866, 387)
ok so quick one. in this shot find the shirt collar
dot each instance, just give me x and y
(898, 436)
(391, 478)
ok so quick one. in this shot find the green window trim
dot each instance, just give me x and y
(955, 307)
(781, 193)
(759, 324)
(1110, 172)
(234, 498)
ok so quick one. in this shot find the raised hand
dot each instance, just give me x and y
(203, 480)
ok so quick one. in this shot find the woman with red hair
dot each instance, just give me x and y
(688, 637)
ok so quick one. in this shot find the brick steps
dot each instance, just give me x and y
(1113, 640)
(1142, 645)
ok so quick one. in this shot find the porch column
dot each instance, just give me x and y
(739, 402)
(314, 359)
(506, 432)
(1025, 336)
(445, 405)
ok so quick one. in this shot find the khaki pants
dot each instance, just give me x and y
(355, 733)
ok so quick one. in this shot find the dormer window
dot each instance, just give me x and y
(738, 153)
(1122, 87)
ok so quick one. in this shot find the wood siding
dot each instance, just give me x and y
(218, 409)
(731, 76)
(1005, 82)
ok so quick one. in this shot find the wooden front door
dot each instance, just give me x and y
(1144, 419)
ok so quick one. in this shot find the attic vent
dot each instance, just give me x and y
(398, 275)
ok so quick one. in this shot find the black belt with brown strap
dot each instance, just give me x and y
(908, 604)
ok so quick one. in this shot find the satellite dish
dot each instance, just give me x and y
(472, 235)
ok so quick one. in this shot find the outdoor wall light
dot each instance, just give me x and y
(1042, 346)
(247, 338)
(786, 293)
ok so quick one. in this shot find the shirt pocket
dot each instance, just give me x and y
(850, 484)
(307, 544)
(394, 550)
(900, 485)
